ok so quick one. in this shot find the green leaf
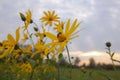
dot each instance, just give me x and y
(60, 56)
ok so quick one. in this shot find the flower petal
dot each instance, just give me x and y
(17, 34)
(11, 39)
(51, 36)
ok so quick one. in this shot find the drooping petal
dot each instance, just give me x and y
(62, 45)
(54, 45)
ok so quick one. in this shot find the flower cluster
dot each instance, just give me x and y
(52, 37)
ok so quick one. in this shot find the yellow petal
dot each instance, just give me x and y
(25, 37)
(73, 27)
(50, 35)
(11, 49)
(3, 54)
(6, 52)
(53, 13)
(11, 39)
(49, 13)
(75, 33)
(29, 15)
(62, 45)
(17, 34)
(54, 45)
(45, 13)
(60, 28)
(67, 26)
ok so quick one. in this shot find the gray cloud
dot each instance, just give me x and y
(101, 19)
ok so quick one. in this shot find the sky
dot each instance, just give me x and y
(100, 18)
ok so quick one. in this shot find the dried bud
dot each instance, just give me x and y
(108, 44)
(36, 29)
(22, 17)
(16, 47)
(1, 44)
(44, 35)
(31, 21)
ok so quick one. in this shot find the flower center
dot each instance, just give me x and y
(50, 19)
(61, 37)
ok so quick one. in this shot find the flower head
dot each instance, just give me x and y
(59, 26)
(49, 18)
(64, 35)
(10, 43)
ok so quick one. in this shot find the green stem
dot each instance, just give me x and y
(36, 26)
(30, 38)
(31, 75)
(69, 62)
(111, 58)
(58, 67)
(116, 60)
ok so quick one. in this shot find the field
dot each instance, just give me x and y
(91, 74)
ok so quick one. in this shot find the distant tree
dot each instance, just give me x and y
(92, 63)
(77, 61)
(83, 65)
(63, 62)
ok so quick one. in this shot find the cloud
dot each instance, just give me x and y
(101, 19)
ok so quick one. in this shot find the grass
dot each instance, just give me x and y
(77, 74)
(91, 74)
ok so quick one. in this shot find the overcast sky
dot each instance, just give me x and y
(101, 19)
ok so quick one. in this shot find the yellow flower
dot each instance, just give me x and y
(41, 35)
(28, 19)
(11, 40)
(25, 67)
(27, 49)
(28, 68)
(49, 18)
(41, 49)
(83, 69)
(11, 43)
(59, 26)
(64, 35)
(25, 37)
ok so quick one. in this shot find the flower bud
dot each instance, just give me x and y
(36, 29)
(108, 44)
(31, 21)
(22, 17)
(0, 44)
